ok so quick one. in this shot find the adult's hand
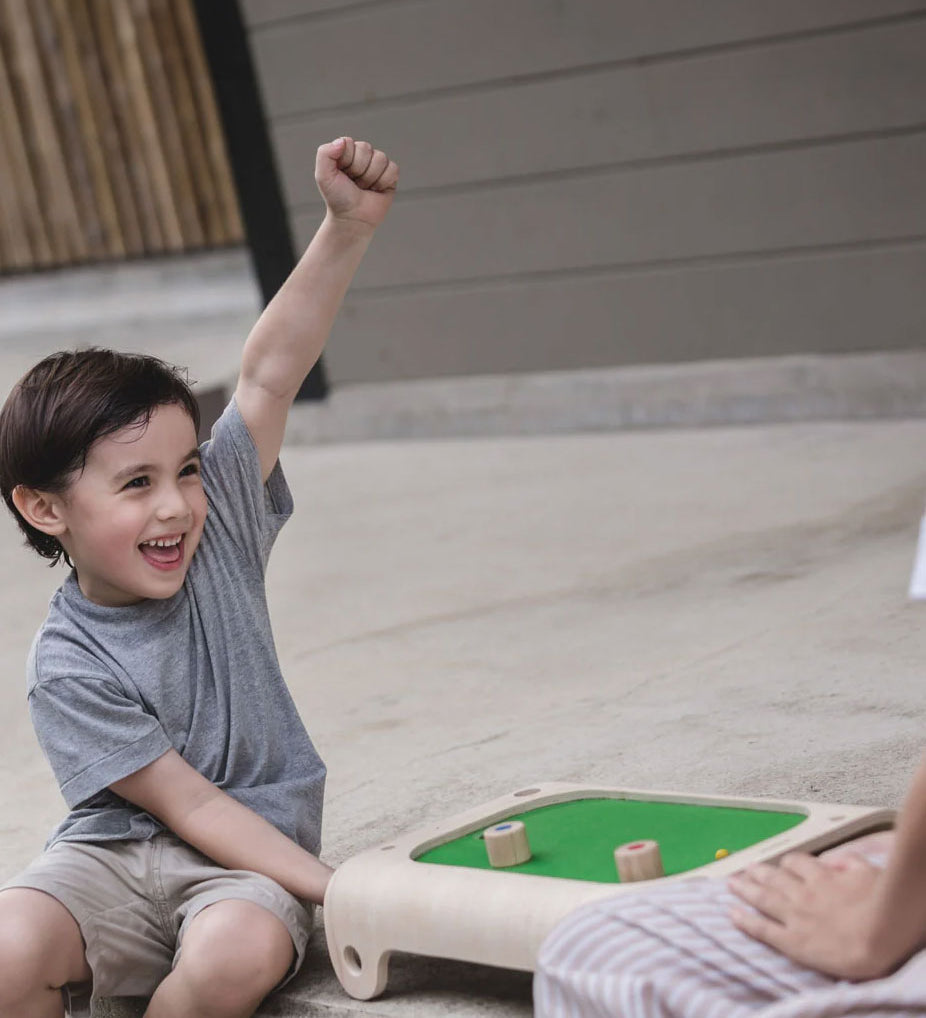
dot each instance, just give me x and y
(820, 914)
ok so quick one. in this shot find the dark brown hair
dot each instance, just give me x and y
(67, 402)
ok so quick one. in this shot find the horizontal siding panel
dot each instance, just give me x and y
(371, 53)
(839, 194)
(838, 85)
(263, 12)
(856, 302)
(835, 85)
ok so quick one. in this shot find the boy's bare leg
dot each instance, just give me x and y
(234, 953)
(41, 950)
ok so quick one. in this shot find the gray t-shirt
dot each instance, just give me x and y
(112, 689)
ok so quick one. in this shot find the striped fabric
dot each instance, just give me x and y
(673, 953)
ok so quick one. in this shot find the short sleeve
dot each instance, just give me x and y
(92, 733)
(247, 512)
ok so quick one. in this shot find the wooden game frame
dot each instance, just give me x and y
(382, 900)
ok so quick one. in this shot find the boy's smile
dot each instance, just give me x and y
(164, 553)
(134, 516)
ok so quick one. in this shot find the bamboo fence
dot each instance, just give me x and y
(111, 145)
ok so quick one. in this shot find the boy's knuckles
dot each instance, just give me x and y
(390, 178)
(348, 154)
(360, 163)
(379, 163)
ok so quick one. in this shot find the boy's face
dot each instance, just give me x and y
(139, 486)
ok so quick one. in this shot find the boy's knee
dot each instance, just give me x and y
(40, 946)
(236, 950)
(22, 968)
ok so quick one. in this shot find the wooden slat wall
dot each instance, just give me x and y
(110, 140)
(605, 182)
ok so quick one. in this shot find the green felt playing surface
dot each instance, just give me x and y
(577, 839)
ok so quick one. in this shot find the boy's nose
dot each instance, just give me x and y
(173, 505)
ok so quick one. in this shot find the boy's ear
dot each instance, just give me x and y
(41, 509)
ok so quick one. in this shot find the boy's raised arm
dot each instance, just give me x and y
(358, 183)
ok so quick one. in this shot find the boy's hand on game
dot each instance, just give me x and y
(357, 181)
(821, 914)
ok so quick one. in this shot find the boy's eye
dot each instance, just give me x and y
(190, 470)
(138, 482)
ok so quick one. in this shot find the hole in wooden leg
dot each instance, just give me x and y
(352, 960)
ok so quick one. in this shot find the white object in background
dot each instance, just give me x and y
(918, 579)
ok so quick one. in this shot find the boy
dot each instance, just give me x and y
(187, 868)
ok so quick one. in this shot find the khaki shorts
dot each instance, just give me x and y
(134, 900)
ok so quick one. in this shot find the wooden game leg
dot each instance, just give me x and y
(357, 949)
(362, 973)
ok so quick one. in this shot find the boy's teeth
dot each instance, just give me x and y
(163, 544)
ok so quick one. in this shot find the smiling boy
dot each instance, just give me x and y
(187, 867)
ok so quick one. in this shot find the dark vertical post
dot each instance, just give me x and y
(260, 195)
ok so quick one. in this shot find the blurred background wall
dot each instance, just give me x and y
(110, 140)
(585, 183)
(591, 183)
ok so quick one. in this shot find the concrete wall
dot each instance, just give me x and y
(606, 182)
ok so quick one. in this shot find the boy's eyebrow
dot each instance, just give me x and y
(145, 468)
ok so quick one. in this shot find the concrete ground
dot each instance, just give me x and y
(719, 609)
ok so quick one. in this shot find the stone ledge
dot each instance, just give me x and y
(699, 394)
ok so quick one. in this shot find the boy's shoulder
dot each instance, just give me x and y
(62, 647)
(230, 462)
(245, 512)
(229, 436)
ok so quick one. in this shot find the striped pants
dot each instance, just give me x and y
(673, 953)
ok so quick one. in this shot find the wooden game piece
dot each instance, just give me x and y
(721, 853)
(506, 844)
(638, 860)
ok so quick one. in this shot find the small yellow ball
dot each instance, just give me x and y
(721, 853)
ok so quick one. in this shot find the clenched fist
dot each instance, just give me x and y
(357, 181)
